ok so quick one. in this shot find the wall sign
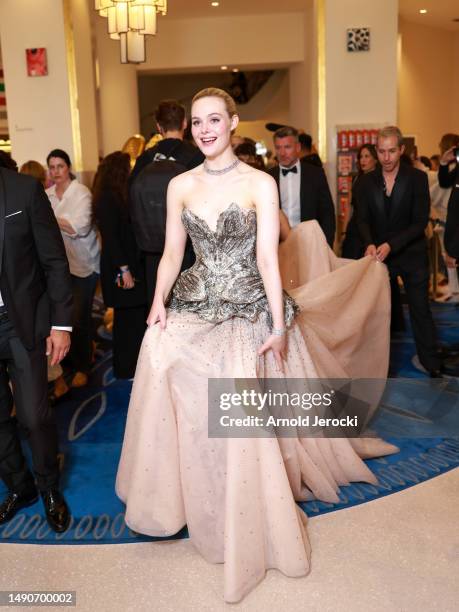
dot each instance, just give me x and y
(37, 64)
(358, 39)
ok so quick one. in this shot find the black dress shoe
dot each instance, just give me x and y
(448, 352)
(451, 366)
(13, 503)
(437, 373)
(56, 509)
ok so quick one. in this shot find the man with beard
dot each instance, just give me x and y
(392, 214)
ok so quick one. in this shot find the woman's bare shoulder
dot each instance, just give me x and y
(186, 180)
(258, 179)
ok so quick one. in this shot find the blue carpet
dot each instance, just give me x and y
(91, 423)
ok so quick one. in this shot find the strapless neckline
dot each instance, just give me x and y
(224, 281)
(233, 206)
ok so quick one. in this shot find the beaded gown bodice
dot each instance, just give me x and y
(225, 282)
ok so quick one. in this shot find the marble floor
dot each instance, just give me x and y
(398, 553)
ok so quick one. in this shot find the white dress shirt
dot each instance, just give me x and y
(289, 188)
(82, 246)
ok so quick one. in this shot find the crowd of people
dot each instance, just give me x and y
(112, 232)
(185, 245)
(104, 239)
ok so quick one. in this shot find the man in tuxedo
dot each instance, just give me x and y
(303, 189)
(35, 320)
(392, 214)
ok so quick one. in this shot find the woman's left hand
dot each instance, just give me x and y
(128, 280)
(277, 344)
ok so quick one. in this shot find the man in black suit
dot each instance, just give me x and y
(35, 320)
(392, 214)
(303, 189)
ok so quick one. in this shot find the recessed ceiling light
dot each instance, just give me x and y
(224, 67)
(215, 3)
(423, 11)
(235, 69)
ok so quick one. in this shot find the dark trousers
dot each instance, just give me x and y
(352, 243)
(397, 319)
(129, 326)
(27, 370)
(416, 285)
(80, 354)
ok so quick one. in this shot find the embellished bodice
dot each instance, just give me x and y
(224, 282)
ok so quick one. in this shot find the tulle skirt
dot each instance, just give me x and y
(237, 495)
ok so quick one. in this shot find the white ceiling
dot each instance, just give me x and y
(440, 12)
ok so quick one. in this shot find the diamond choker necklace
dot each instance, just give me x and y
(223, 170)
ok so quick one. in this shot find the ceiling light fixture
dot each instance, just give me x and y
(215, 3)
(423, 11)
(235, 69)
(224, 67)
(129, 21)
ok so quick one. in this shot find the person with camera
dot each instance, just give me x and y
(448, 176)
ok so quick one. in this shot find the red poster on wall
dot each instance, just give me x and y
(37, 64)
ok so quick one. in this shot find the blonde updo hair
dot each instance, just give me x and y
(215, 92)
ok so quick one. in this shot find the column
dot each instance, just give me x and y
(356, 87)
(56, 110)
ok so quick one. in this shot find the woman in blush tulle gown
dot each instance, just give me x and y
(227, 317)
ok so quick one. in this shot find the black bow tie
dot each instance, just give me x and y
(285, 171)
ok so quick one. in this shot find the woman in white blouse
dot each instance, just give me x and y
(71, 202)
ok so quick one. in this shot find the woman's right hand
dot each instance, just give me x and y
(277, 344)
(157, 315)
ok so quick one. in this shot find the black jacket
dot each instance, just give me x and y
(450, 178)
(183, 153)
(312, 158)
(119, 248)
(34, 273)
(404, 227)
(315, 198)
